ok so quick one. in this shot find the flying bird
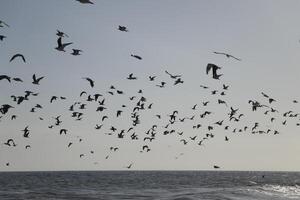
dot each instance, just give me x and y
(122, 28)
(5, 77)
(17, 55)
(214, 69)
(172, 76)
(85, 1)
(61, 46)
(131, 77)
(76, 52)
(36, 81)
(92, 83)
(227, 55)
(136, 56)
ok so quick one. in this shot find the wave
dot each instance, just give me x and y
(291, 192)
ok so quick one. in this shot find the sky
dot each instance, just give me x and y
(173, 35)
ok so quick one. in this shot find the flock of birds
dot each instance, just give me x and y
(163, 125)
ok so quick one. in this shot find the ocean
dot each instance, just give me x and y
(148, 185)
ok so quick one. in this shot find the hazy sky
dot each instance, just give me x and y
(174, 35)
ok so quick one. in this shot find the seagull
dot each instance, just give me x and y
(17, 79)
(85, 1)
(5, 77)
(136, 56)
(214, 70)
(122, 28)
(131, 77)
(129, 166)
(172, 76)
(36, 80)
(92, 83)
(151, 78)
(227, 55)
(76, 52)
(61, 46)
(18, 55)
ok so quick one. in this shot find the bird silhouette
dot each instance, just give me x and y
(18, 55)
(61, 46)
(123, 28)
(214, 69)
(131, 77)
(76, 52)
(136, 56)
(5, 77)
(227, 55)
(172, 76)
(92, 83)
(36, 80)
(85, 1)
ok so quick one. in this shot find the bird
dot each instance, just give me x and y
(136, 56)
(17, 55)
(63, 131)
(172, 76)
(5, 108)
(61, 46)
(5, 77)
(17, 79)
(36, 80)
(151, 78)
(85, 1)
(26, 132)
(92, 83)
(129, 166)
(76, 52)
(123, 28)
(10, 142)
(214, 69)
(131, 77)
(227, 55)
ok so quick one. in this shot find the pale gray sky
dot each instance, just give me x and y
(174, 35)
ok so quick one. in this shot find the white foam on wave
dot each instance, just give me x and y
(291, 192)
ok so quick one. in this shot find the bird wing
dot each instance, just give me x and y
(59, 42)
(208, 67)
(235, 58)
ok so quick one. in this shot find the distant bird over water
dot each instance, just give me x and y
(85, 1)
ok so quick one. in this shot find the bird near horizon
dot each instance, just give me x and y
(85, 1)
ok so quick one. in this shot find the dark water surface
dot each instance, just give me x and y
(146, 185)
